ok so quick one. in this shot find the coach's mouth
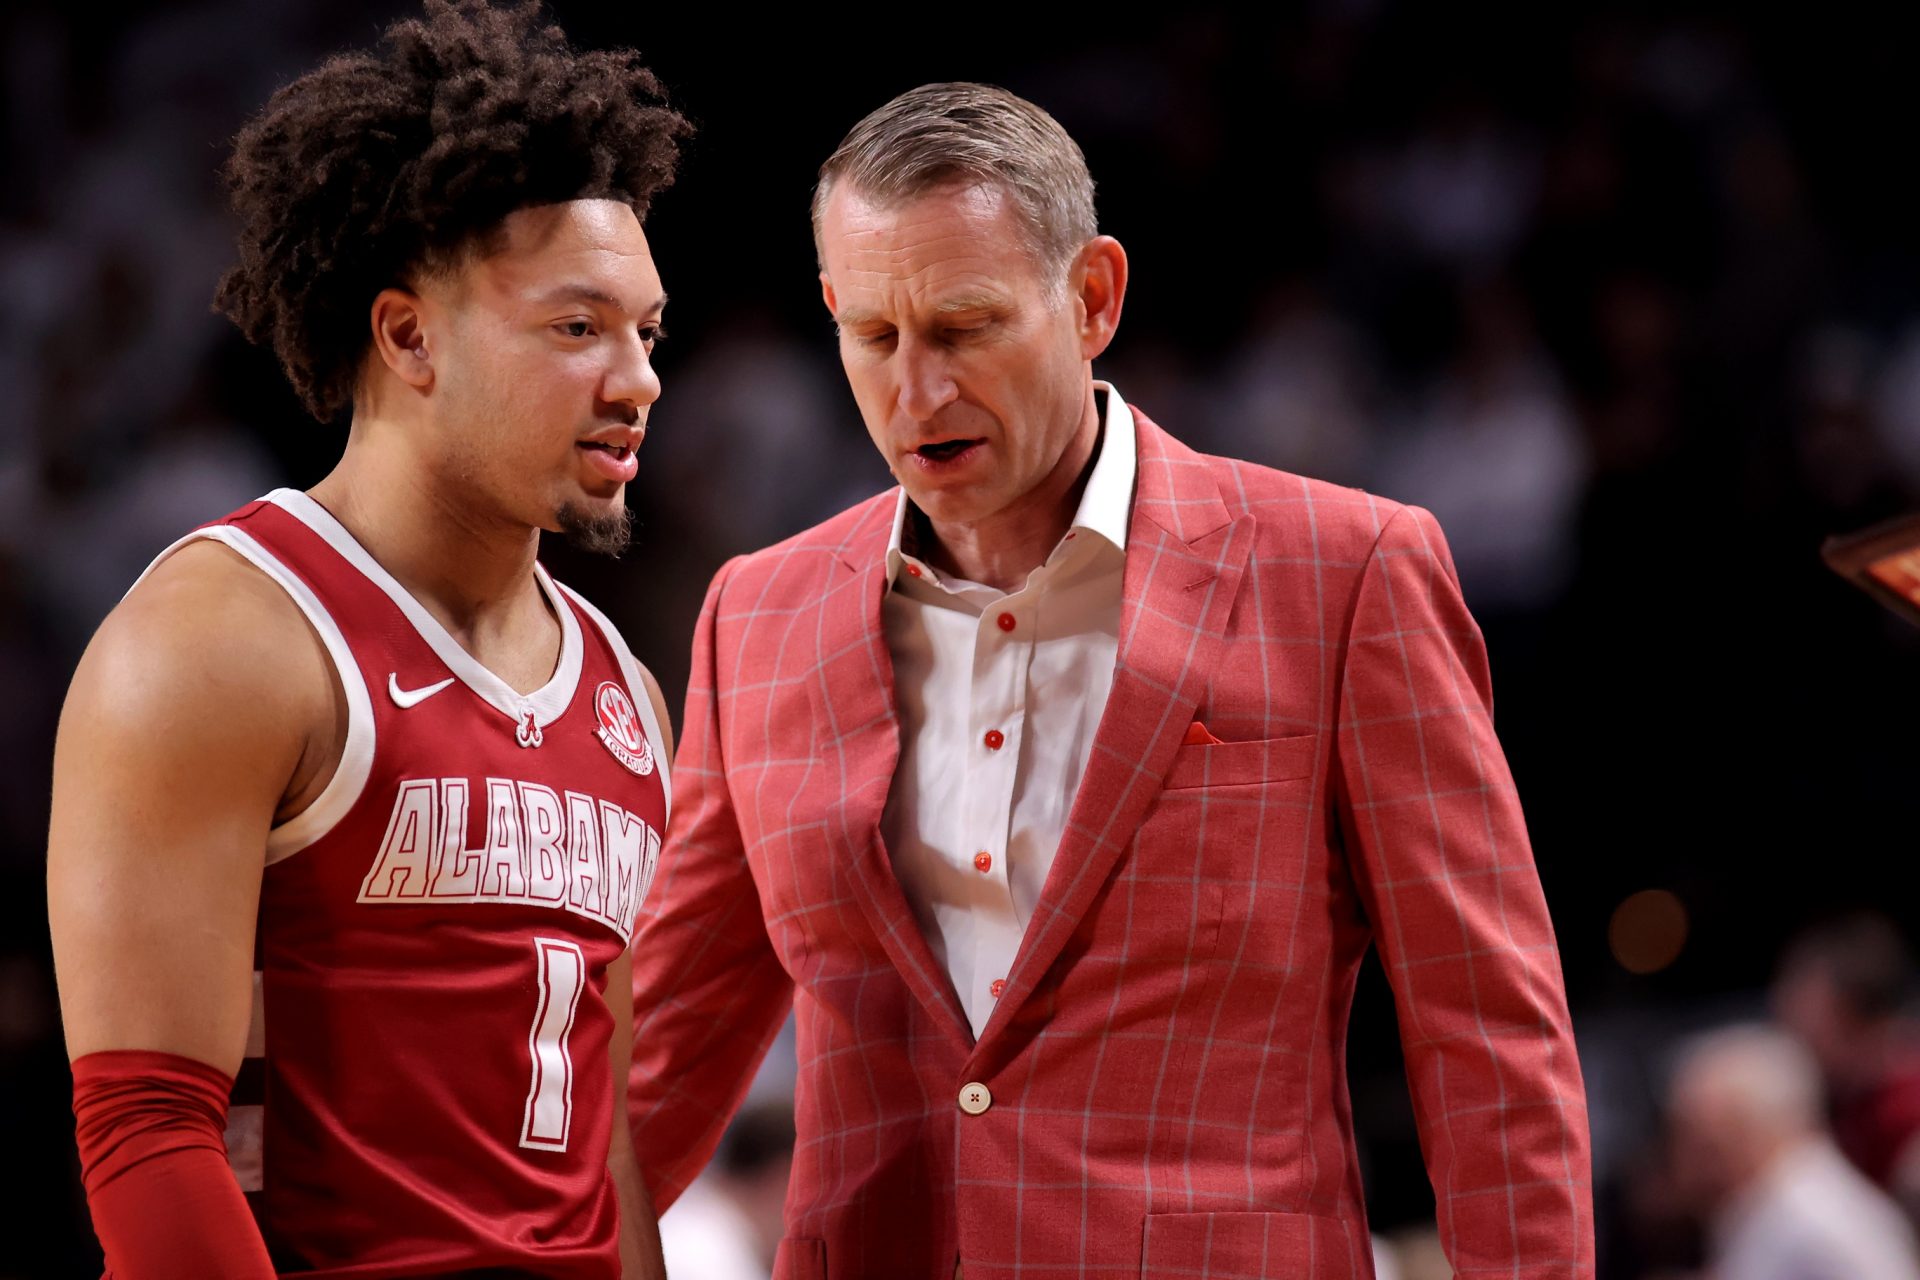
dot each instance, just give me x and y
(945, 451)
(946, 457)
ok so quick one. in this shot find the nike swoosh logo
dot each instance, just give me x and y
(412, 697)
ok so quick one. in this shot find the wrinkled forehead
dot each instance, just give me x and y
(928, 251)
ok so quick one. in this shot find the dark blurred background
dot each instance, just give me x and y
(1630, 299)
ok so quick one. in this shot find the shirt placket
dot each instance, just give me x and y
(1003, 646)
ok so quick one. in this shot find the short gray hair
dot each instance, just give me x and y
(972, 133)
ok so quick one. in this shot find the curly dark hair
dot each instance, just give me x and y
(377, 166)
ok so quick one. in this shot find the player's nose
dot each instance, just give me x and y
(631, 379)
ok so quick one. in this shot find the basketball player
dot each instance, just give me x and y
(347, 789)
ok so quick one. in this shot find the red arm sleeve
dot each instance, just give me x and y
(153, 1156)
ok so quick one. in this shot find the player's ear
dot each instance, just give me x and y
(400, 337)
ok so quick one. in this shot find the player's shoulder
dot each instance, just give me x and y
(203, 628)
(797, 566)
(205, 599)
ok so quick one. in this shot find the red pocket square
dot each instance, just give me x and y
(1197, 735)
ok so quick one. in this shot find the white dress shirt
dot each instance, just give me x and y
(999, 696)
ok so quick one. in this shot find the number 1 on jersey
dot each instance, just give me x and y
(563, 972)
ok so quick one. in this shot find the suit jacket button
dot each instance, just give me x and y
(975, 1098)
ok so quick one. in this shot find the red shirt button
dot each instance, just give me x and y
(983, 862)
(1006, 622)
(999, 985)
(914, 569)
(995, 739)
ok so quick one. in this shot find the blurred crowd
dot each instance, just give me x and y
(1629, 299)
(1791, 1145)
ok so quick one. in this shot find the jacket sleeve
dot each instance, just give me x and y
(709, 993)
(1441, 858)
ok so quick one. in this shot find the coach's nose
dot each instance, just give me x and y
(925, 382)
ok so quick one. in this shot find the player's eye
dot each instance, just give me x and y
(652, 334)
(576, 328)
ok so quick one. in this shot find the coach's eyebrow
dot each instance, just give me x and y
(855, 317)
(982, 303)
(971, 302)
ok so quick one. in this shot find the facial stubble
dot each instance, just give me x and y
(604, 533)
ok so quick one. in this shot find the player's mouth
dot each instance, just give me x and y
(941, 457)
(613, 455)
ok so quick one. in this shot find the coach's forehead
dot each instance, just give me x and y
(958, 238)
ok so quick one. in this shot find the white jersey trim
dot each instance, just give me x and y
(637, 684)
(356, 754)
(547, 703)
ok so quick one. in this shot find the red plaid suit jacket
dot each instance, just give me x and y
(1167, 1065)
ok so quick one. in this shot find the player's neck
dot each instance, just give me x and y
(469, 572)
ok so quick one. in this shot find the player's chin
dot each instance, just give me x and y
(598, 525)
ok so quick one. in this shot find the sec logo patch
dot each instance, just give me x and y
(620, 728)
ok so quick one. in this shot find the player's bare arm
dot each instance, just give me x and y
(204, 711)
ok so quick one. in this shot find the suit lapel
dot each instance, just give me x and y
(1185, 558)
(853, 703)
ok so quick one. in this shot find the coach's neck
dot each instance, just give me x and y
(1000, 550)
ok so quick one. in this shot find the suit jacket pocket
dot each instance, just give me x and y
(1230, 764)
(800, 1258)
(1254, 1246)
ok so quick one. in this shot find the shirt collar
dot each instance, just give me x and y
(1106, 505)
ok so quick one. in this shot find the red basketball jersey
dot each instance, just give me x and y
(427, 1090)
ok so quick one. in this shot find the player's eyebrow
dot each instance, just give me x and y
(591, 293)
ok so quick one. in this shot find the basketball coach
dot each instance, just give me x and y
(1061, 791)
